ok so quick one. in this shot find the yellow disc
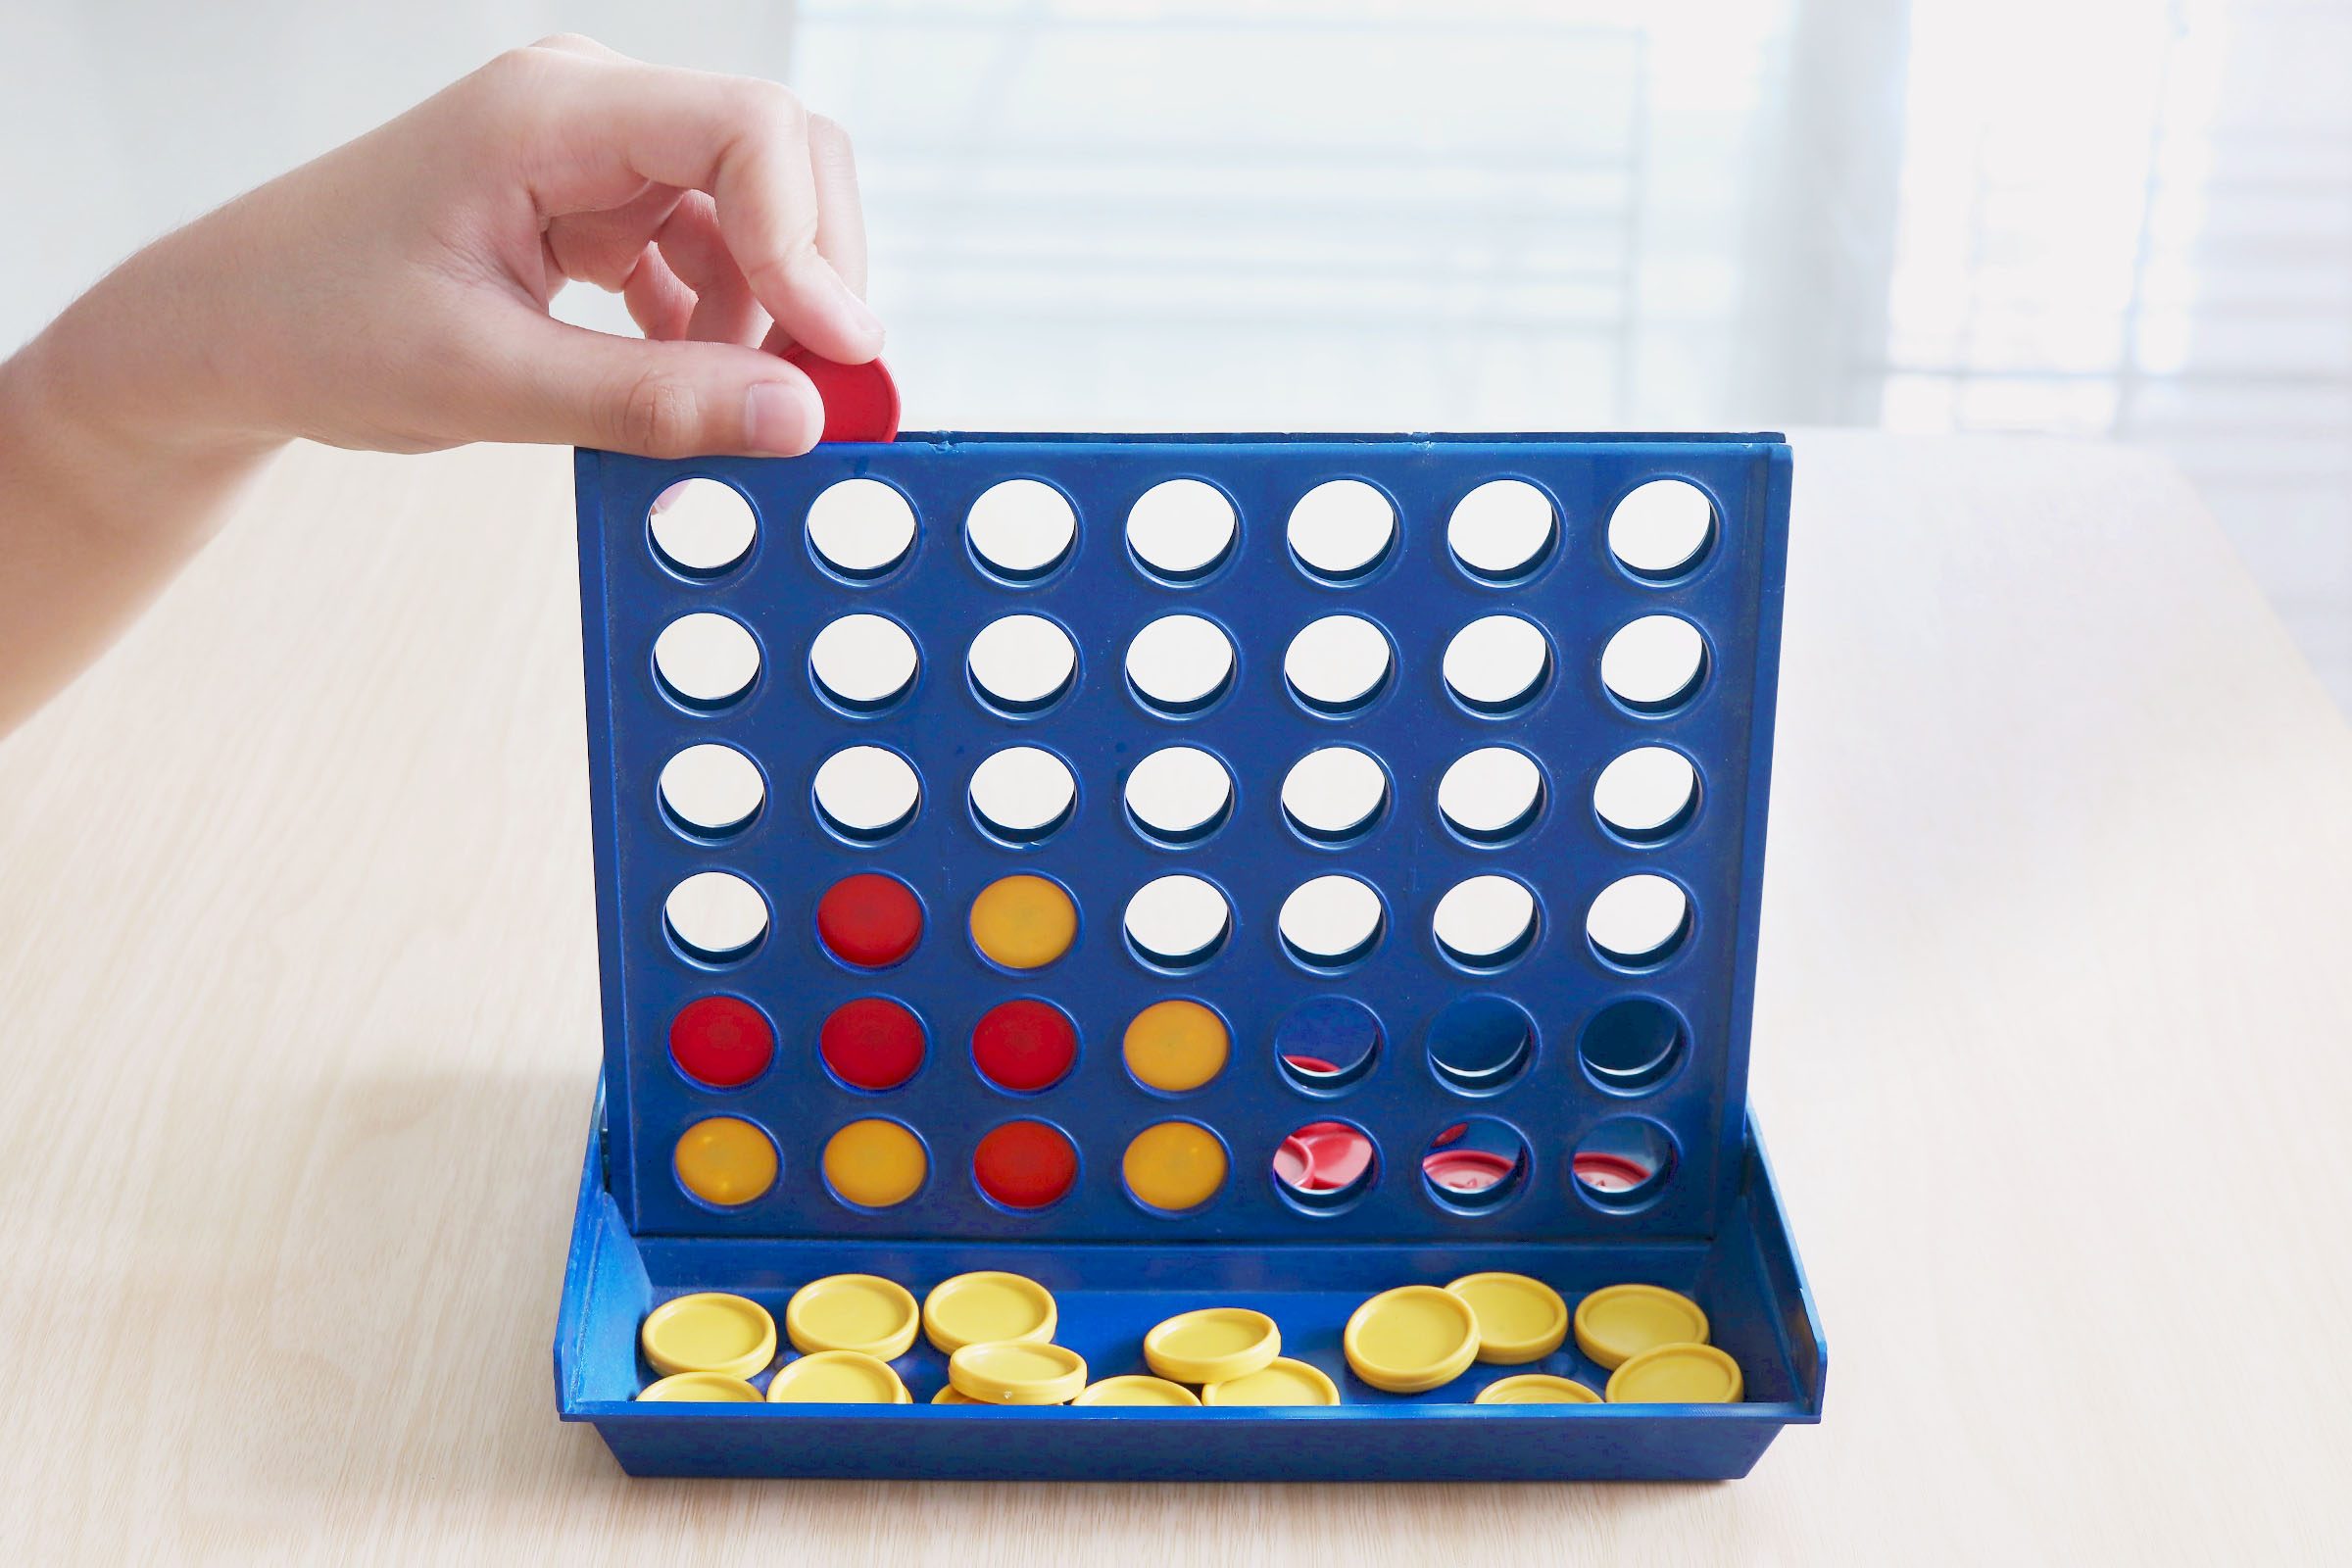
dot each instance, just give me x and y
(862, 1312)
(1176, 1045)
(1678, 1373)
(699, 1388)
(1023, 922)
(1280, 1381)
(1620, 1322)
(1214, 1345)
(986, 1307)
(725, 1160)
(951, 1394)
(837, 1377)
(1519, 1319)
(1536, 1388)
(1411, 1338)
(1137, 1390)
(1018, 1372)
(1175, 1165)
(709, 1331)
(875, 1163)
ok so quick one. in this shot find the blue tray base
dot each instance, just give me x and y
(1747, 1278)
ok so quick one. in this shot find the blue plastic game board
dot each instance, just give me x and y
(1616, 1121)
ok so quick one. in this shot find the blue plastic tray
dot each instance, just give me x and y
(1709, 1226)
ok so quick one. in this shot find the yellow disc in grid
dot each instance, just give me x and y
(1214, 1345)
(1280, 1381)
(837, 1377)
(1023, 922)
(1137, 1390)
(851, 1312)
(1519, 1319)
(952, 1394)
(1013, 1373)
(699, 1388)
(1176, 1045)
(709, 1331)
(725, 1160)
(1536, 1388)
(1411, 1338)
(875, 1163)
(985, 1307)
(1678, 1373)
(1174, 1165)
(1620, 1322)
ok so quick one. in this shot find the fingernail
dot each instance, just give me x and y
(774, 419)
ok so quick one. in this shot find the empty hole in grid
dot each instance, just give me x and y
(1486, 921)
(1341, 530)
(1179, 795)
(1178, 922)
(1502, 530)
(863, 663)
(1498, 663)
(715, 916)
(1639, 921)
(1623, 1163)
(1476, 1164)
(867, 793)
(1023, 795)
(1633, 1045)
(1335, 794)
(1325, 1044)
(861, 528)
(1329, 922)
(1661, 530)
(700, 527)
(1480, 1044)
(706, 660)
(1491, 795)
(1654, 664)
(1021, 529)
(1181, 529)
(1323, 1167)
(1022, 663)
(1338, 665)
(712, 791)
(1647, 794)
(1179, 664)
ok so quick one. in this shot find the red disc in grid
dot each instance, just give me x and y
(1467, 1170)
(1024, 1046)
(1340, 1154)
(869, 919)
(871, 1043)
(721, 1040)
(861, 401)
(1024, 1164)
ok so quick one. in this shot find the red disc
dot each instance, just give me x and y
(1024, 1046)
(1451, 1135)
(1466, 1170)
(1024, 1164)
(1610, 1173)
(869, 919)
(1341, 1156)
(1295, 1165)
(871, 1043)
(721, 1040)
(1309, 1064)
(861, 401)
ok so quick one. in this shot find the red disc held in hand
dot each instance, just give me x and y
(871, 1043)
(1024, 1046)
(1024, 1164)
(869, 919)
(861, 401)
(721, 1040)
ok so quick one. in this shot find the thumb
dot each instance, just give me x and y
(565, 385)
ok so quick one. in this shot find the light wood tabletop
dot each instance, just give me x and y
(2053, 1049)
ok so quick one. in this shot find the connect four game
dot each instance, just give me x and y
(1183, 957)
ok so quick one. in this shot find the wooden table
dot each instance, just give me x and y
(2052, 1045)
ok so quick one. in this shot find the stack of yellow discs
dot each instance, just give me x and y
(709, 1331)
(988, 1308)
(1411, 1338)
(837, 1377)
(1655, 1342)
(1214, 1345)
(1017, 1372)
(862, 1312)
